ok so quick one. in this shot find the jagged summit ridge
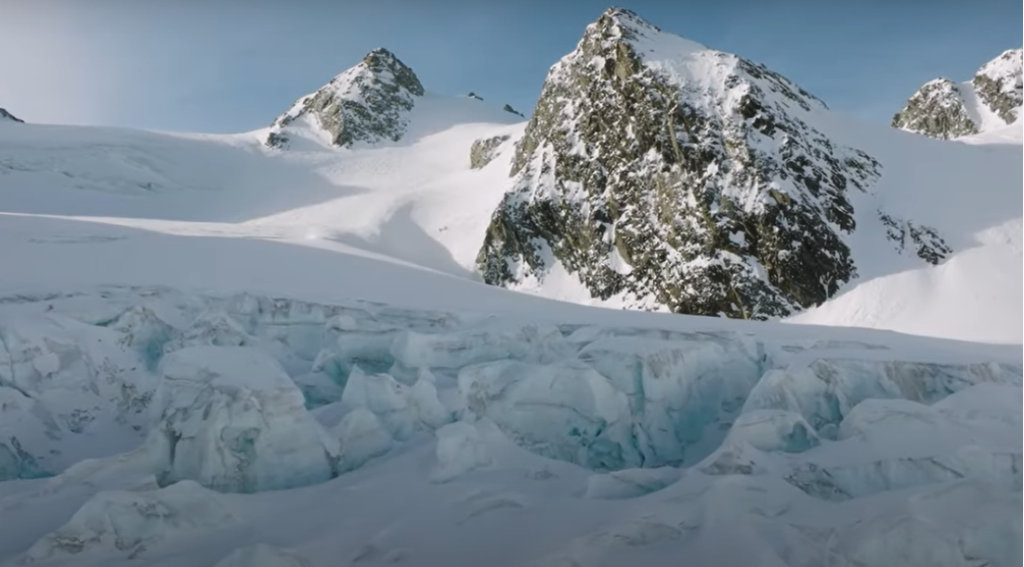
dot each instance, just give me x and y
(945, 109)
(367, 103)
(676, 177)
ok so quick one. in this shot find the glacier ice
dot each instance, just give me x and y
(630, 483)
(143, 330)
(211, 328)
(890, 444)
(424, 399)
(384, 397)
(60, 380)
(564, 411)
(454, 350)
(361, 437)
(41, 354)
(130, 522)
(262, 555)
(460, 448)
(824, 391)
(231, 419)
(678, 384)
(791, 450)
(21, 414)
(773, 430)
(958, 524)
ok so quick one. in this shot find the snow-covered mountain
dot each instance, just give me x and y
(991, 100)
(219, 351)
(677, 177)
(656, 173)
(367, 103)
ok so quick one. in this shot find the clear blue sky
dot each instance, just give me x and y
(233, 65)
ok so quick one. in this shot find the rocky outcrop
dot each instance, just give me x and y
(508, 108)
(482, 152)
(938, 110)
(923, 240)
(367, 103)
(999, 84)
(675, 176)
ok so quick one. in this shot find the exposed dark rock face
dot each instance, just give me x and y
(483, 151)
(508, 108)
(675, 176)
(367, 103)
(1000, 86)
(938, 110)
(923, 240)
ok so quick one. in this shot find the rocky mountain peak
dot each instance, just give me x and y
(945, 109)
(673, 176)
(626, 23)
(999, 84)
(938, 109)
(367, 103)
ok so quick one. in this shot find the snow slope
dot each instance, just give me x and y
(973, 200)
(417, 202)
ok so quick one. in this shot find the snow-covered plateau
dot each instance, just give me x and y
(275, 349)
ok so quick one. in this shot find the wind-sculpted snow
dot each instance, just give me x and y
(785, 445)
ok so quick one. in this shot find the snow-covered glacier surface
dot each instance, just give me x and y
(150, 426)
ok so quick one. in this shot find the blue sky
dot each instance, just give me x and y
(232, 65)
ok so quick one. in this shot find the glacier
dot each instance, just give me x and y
(801, 449)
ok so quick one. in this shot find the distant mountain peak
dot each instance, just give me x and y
(625, 19)
(1000, 84)
(366, 103)
(945, 109)
(4, 115)
(510, 109)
